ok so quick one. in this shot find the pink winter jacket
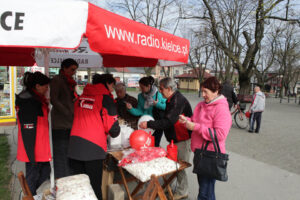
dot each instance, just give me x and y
(211, 115)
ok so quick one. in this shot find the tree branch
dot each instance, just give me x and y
(247, 38)
(284, 19)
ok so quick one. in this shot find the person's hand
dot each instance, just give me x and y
(143, 125)
(128, 105)
(155, 102)
(190, 125)
(182, 119)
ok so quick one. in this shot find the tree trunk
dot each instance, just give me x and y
(244, 82)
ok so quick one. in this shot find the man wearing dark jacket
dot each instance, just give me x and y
(176, 105)
(228, 92)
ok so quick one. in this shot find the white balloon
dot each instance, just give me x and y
(146, 118)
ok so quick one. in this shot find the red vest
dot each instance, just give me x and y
(42, 150)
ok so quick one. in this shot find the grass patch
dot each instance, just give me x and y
(5, 174)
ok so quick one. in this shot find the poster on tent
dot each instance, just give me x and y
(85, 57)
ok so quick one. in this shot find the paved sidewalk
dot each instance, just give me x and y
(261, 167)
(251, 180)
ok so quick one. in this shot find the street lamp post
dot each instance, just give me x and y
(280, 78)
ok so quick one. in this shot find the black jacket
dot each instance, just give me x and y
(228, 92)
(176, 105)
(28, 109)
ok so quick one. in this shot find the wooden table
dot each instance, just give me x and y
(154, 188)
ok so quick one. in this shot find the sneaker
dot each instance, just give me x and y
(250, 131)
(257, 132)
(180, 196)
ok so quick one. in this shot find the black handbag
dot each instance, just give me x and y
(157, 113)
(211, 164)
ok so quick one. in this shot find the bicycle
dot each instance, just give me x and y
(240, 118)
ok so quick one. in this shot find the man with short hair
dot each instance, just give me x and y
(121, 100)
(256, 109)
(62, 96)
(176, 105)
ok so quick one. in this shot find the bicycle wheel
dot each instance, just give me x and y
(241, 120)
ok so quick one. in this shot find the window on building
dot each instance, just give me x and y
(6, 88)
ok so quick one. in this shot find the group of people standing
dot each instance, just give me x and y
(80, 124)
(189, 130)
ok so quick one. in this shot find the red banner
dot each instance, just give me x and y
(109, 33)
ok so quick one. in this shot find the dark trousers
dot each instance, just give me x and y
(36, 174)
(60, 140)
(255, 117)
(206, 188)
(157, 137)
(93, 169)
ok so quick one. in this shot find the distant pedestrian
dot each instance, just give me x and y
(228, 92)
(256, 109)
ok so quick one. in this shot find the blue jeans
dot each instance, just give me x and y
(206, 188)
(255, 117)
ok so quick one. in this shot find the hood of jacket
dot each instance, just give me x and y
(23, 97)
(96, 89)
(261, 94)
(219, 100)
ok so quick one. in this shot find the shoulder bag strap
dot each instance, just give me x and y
(216, 138)
(213, 141)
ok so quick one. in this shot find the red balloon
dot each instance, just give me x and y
(140, 139)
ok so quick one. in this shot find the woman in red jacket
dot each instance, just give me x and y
(33, 135)
(95, 116)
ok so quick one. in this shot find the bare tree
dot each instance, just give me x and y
(243, 22)
(288, 54)
(200, 52)
(266, 58)
(160, 14)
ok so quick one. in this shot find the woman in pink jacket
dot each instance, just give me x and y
(211, 113)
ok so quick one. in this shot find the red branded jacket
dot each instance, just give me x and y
(95, 116)
(33, 129)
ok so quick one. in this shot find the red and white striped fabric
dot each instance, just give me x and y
(62, 24)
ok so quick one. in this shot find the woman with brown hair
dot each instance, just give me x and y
(213, 114)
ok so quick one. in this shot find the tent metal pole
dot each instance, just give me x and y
(46, 65)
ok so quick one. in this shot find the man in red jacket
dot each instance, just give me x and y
(95, 116)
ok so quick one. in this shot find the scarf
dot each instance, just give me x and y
(149, 97)
(71, 82)
(42, 99)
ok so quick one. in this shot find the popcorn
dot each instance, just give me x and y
(158, 166)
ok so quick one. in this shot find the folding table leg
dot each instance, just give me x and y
(154, 189)
(137, 188)
(159, 189)
(125, 183)
(168, 188)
